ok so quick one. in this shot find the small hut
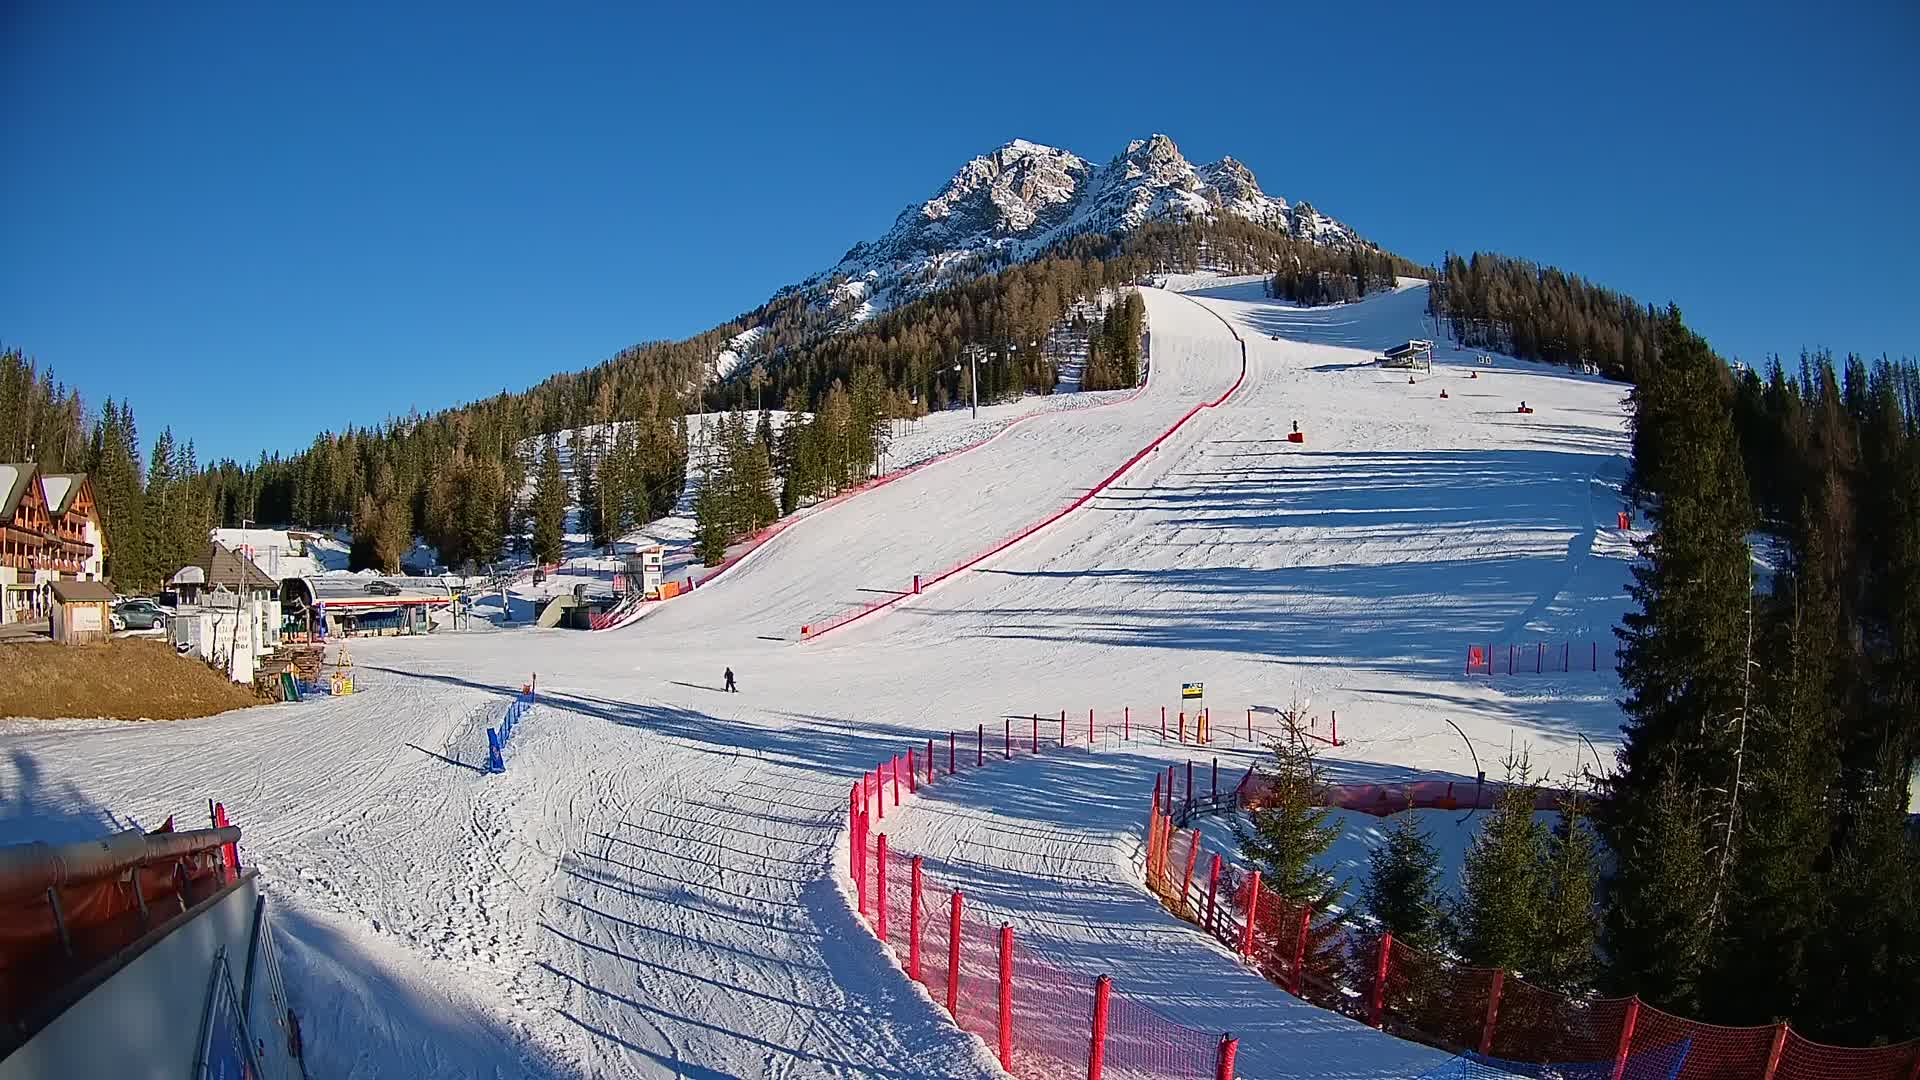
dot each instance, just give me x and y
(80, 611)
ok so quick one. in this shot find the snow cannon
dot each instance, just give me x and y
(1443, 393)
(1409, 380)
(1525, 408)
(1294, 436)
(1473, 374)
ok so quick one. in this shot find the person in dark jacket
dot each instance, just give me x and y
(731, 688)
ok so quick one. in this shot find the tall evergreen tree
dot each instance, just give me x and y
(549, 505)
(1685, 656)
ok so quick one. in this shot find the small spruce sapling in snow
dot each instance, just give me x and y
(1569, 927)
(1401, 892)
(1290, 828)
(1283, 836)
(1505, 885)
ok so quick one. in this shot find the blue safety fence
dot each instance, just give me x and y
(497, 736)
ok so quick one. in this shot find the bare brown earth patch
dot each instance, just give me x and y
(122, 679)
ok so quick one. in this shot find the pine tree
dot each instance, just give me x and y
(1505, 890)
(1777, 897)
(710, 536)
(549, 506)
(1291, 827)
(1684, 666)
(1657, 931)
(754, 478)
(1568, 933)
(1401, 892)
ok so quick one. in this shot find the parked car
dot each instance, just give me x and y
(140, 614)
(383, 588)
(114, 620)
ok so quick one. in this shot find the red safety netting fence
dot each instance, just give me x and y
(921, 581)
(1037, 1015)
(1538, 657)
(1432, 999)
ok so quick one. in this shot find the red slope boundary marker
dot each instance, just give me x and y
(815, 631)
(766, 535)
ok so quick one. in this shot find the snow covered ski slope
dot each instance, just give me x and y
(646, 890)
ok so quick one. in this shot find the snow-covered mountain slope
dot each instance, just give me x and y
(647, 892)
(1022, 198)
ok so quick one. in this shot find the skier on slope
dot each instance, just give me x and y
(731, 688)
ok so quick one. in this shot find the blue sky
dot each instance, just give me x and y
(257, 222)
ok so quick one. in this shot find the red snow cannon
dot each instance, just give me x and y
(1443, 392)
(1294, 435)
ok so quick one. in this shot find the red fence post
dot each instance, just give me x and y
(1377, 1005)
(1249, 725)
(950, 741)
(1097, 1052)
(1626, 1037)
(1213, 891)
(880, 793)
(1036, 733)
(896, 779)
(1493, 1010)
(1223, 1065)
(912, 770)
(1170, 779)
(1189, 783)
(1253, 908)
(1300, 951)
(980, 749)
(913, 925)
(1006, 996)
(855, 843)
(1163, 723)
(880, 889)
(1089, 729)
(1216, 779)
(1008, 733)
(1183, 725)
(953, 956)
(229, 852)
(929, 761)
(1193, 856)
(1334, 727)
(1063, 728)
(1126, 722)
(1773, 1052)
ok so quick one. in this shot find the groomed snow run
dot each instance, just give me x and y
(647, 890)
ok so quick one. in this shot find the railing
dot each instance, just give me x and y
(64, 909)
(1037, 1015)
(924, 581)
(1535, 657)
(497, 736)
(1432, 999)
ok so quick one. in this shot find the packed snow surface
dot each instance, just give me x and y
(647, 890)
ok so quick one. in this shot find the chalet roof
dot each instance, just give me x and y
(60, 488)
(226, 567)
(14, 478)
(68, 592)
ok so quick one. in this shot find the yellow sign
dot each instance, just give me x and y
(1192, 690)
